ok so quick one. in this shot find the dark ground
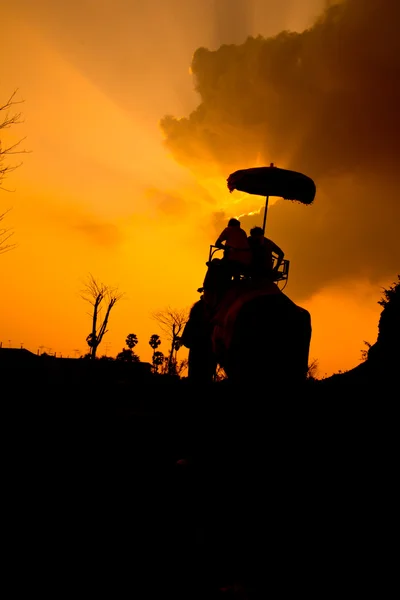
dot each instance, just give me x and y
(286, 493)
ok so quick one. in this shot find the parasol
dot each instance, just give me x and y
(273, 181)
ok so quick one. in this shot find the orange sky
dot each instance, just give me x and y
(100, 193)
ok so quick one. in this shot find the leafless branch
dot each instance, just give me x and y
(6, 123)
(5, 235)
(11, 102)
(171, 321)
(312, 371)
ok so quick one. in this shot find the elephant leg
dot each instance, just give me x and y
(201, 364)
(305, 332)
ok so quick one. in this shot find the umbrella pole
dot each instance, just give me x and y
(265, 213)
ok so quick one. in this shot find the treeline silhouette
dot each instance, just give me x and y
(121, 377)
(160, 363)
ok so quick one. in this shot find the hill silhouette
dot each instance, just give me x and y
(380, 369)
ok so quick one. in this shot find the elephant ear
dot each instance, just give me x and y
(273, 181)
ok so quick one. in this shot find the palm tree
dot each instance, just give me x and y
(158, 360)
(131, 341)
(154, 343)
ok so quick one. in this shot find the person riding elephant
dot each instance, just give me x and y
(262, 251)
(237, 255)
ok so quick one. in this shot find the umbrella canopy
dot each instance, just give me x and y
(272, 181)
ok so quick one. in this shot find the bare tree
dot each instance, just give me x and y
(172, 322)
(8, 121)
(181, 366)
(5, 235)
(101, 297)
(5, 151)
(364, 352)
(312, 371)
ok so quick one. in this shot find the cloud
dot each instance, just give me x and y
(188, 201)
(166, 203)
(69, 217)
(325, 102)
(102, 234)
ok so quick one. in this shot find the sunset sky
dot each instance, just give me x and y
(134, 115)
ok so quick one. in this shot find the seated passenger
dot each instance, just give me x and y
(237, 255)
(262, 250)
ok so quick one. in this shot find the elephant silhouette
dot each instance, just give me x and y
(254, 331)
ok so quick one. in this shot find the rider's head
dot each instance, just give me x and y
(233, 223)
(256, 232)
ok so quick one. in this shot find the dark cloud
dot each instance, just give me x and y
(324, 102)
